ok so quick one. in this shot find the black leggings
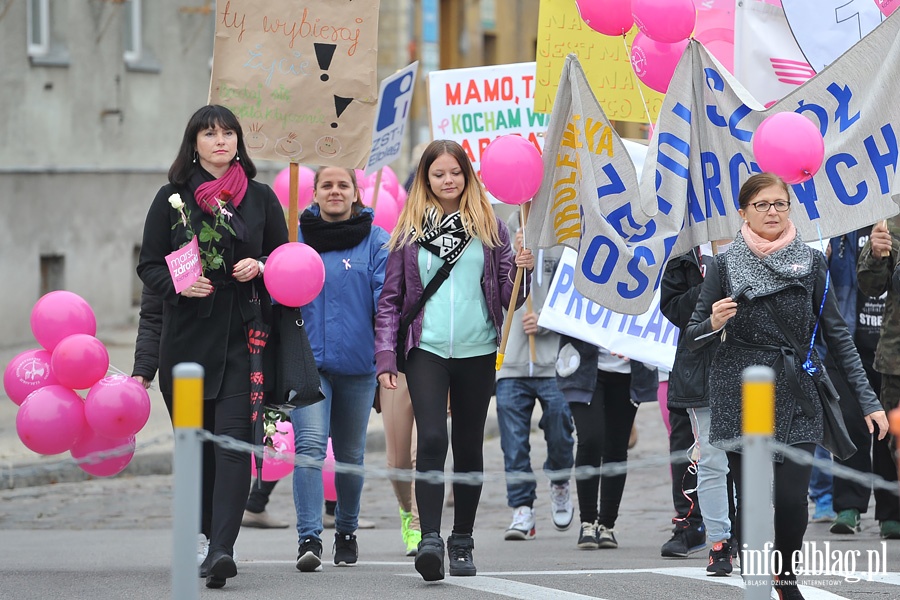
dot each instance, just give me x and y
(470, 382)
(791, 483)
(225, 473)
(603, 428)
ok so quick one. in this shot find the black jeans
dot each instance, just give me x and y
(687, 507)
(259, 495)
(602, 429)
(470, 383)
(872, 456)
(791, 513)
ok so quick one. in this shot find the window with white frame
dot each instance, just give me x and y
(38, 27)
(133, 38)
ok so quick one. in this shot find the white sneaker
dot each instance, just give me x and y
(522, 527)
(202, 548)
(561, 506)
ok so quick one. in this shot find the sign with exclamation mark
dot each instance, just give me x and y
(301, 79)
(324, 54)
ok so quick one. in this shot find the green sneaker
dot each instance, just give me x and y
(412, 542)
(847, 521)
(405, 520)
(890, 530)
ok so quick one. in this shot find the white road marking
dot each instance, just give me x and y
(514, 589)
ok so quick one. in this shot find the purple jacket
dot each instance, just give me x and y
(403, 286)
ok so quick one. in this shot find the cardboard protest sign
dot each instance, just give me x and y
(474, 106)
(698, 159)
(184, 265)
(394, 100)
(649, 337)
(300, 76)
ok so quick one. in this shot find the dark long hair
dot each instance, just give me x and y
(756, 184)
(205, 118)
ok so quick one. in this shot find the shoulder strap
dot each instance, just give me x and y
(436, 281)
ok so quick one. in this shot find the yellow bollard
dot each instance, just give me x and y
(187, 417)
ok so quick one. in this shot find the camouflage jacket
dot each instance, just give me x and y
(874, 276)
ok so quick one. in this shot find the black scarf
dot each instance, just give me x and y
(447, 239)
(325, 236)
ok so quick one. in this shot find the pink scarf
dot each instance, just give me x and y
(762, 247)
(230, 187)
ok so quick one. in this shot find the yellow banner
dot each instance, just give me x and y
(605, 59)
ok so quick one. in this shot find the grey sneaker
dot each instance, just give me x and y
(561, 508)
(587, 538)
(606, 538)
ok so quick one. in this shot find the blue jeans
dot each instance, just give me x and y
(515, 404)
(712, 479)
(344, 413)
(820, 482)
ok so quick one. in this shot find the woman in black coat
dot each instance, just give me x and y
(239, 222)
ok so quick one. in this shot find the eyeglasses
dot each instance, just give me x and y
(780, 206)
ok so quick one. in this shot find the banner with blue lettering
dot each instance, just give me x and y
(698, 159)
(649, 337)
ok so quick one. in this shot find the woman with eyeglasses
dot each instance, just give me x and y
(768, 296)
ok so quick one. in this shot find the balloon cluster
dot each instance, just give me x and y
(391, 195)
(664, 28)
(52, 417)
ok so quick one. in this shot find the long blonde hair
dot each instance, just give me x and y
(474, 207)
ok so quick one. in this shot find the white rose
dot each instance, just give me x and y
(270, 429)
(176, 201)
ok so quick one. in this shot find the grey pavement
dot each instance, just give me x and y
(69, 536)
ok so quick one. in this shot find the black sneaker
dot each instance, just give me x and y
(309, 555)
(430, 557)
(460, 548)
(345, 549)
(685, 541)
(221, 567)
(587, 537)
(720, 560)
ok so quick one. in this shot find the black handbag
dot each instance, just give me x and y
(429, 291)
(835, 438)
(297, 382)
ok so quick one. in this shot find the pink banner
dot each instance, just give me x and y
(184, 265)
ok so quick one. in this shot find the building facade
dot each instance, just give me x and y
(95, 96)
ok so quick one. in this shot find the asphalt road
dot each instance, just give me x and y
(111, 539)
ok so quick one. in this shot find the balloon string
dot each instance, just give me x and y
(640, 91)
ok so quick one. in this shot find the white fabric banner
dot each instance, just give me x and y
(699, 157)
(649, 337)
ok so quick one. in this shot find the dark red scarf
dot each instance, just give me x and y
(230, 187)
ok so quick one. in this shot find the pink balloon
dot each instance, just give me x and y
(363, 180)
(387, 211)
(51, 420)
(60, 314)
(402, 195)
(389, 180)
(27, 372)
(282, 187)
(654, 62)
(512, 169)
(789, 145)
(79, 361)
(278, 462)
(887, 6)
(609, 17)
(117, 407)
(328, 474)
(666, 21)
(92, 443)
(294, 274)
